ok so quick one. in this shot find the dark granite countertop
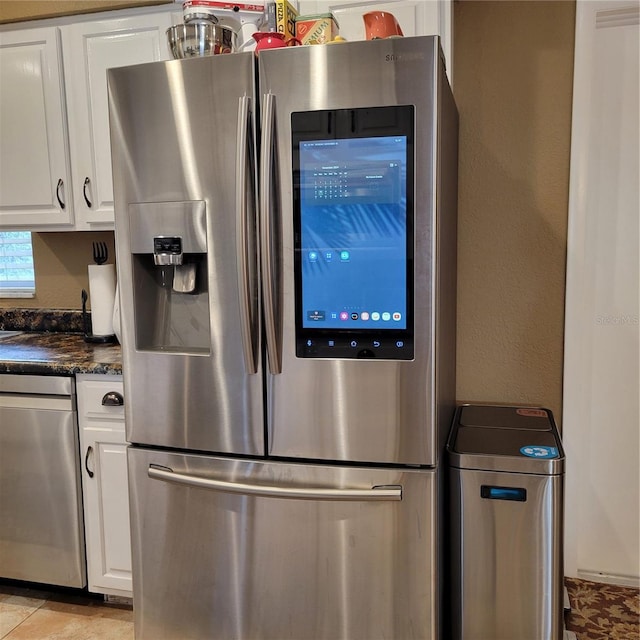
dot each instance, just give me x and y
(57, 354)
(46, 348)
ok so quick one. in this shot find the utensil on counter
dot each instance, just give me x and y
(85, 319)
(100, 252)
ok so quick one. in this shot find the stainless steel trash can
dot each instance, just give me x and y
(506, 473)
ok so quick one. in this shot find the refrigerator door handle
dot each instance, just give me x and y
(246, 272)
(387, 492)
(267, 223)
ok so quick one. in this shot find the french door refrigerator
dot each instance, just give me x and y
(286, 238)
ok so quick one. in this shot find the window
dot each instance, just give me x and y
(17, 278)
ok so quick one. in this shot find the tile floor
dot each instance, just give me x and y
(29, 614)
(599, 611)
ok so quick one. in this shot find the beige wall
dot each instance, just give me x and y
(60, 261)
(513, 86)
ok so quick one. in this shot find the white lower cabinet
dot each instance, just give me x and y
(104, 484)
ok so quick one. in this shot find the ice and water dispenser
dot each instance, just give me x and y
(506, 478)
(170, 276)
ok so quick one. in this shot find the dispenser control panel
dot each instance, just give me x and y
(167, 250)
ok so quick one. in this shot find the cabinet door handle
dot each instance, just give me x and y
(84, 192)
(60, 186)
(86, 461)
(112, 399)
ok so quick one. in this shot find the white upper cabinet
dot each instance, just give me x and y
(55, 152)
(34, 159)
(416, 18)
(90, 49)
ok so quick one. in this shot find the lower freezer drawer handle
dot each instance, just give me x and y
(392, 492)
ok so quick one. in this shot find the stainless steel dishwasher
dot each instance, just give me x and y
(41, 526)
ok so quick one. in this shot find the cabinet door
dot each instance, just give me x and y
(34, 157)
(416, 18)
(106, 508)
(90, 48)
(104, 482)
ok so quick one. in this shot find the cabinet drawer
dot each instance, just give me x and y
(100, 398)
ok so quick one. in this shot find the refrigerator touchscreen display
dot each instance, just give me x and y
(354, 234)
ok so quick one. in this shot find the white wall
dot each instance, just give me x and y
(601, 382)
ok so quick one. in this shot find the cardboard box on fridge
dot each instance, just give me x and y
(285, 19)
(316, 29)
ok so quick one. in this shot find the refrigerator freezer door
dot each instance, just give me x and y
(369, 409)
(184, 178)
(238, 549)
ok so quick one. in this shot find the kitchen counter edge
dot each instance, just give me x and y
(53, 353)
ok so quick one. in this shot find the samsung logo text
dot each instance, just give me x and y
(403, 57)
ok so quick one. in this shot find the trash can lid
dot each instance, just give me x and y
(508, 417)
(511, 439)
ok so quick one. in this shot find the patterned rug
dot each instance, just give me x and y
(602, 611)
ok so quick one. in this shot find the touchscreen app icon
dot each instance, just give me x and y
(345, 256)
(364, 315)
(344, 315)
(375, 316)
(386, 316)
(313, 256)
(315, 315)
(397, 316)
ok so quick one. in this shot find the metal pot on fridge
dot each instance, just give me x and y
(200, 39)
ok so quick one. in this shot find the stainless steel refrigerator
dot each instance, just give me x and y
(286, 239)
